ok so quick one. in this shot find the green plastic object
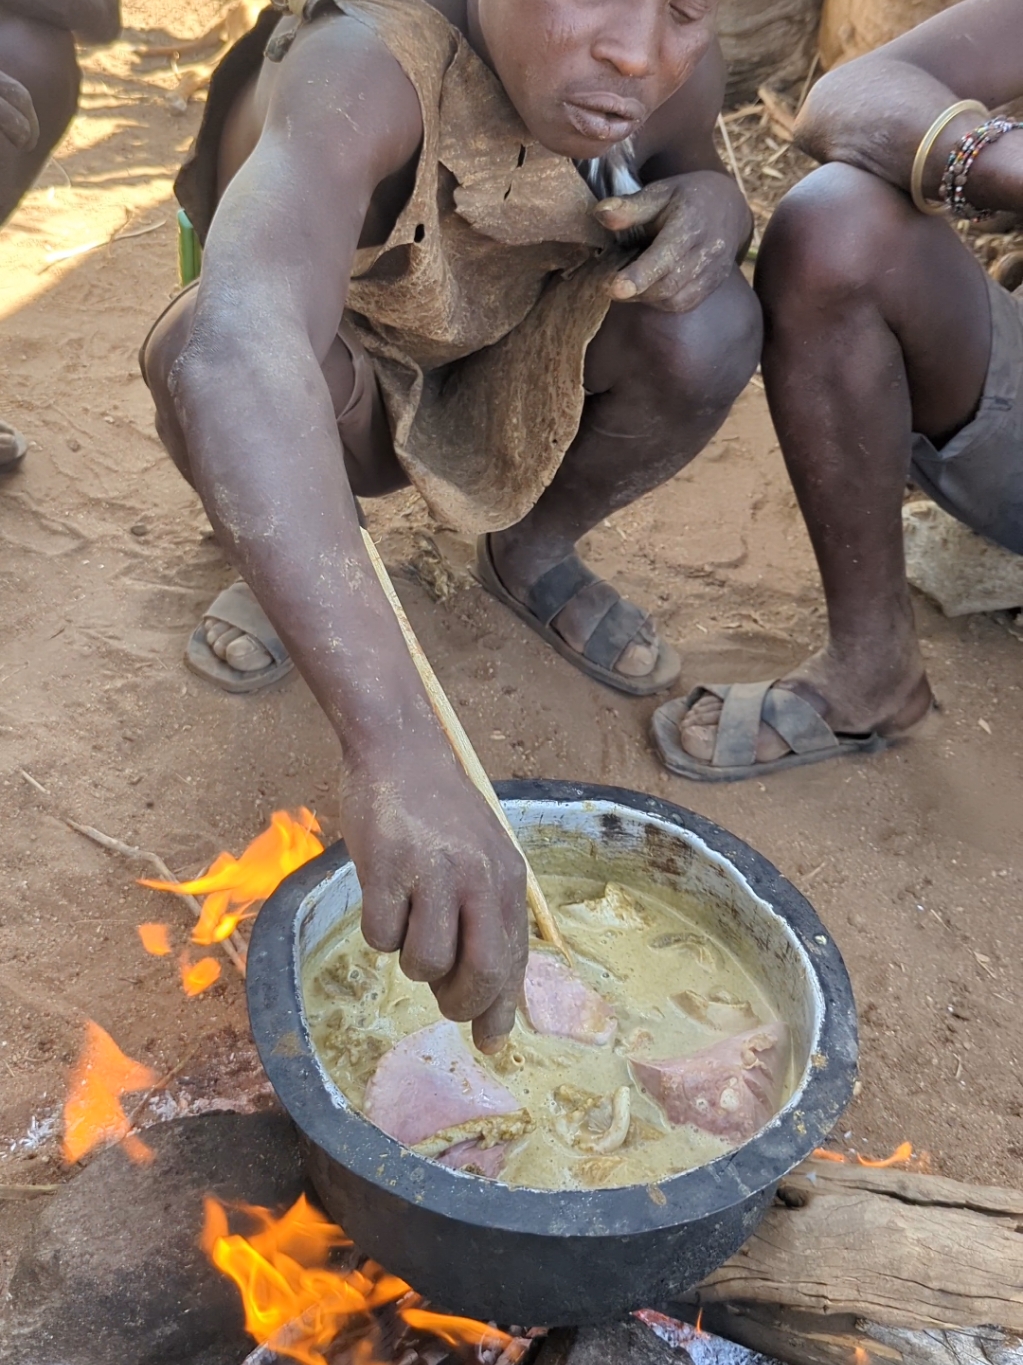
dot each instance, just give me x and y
(189, 250)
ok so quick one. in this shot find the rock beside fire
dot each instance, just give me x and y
(112, 1273)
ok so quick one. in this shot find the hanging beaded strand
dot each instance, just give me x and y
(960, 164)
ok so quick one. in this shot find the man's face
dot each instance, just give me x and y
(584, 74)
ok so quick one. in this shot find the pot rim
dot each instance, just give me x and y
(347, 1137)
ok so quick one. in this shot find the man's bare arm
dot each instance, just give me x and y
(94, 21)
(873, 112)
(439, 877)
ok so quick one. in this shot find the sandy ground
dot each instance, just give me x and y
(913, 858)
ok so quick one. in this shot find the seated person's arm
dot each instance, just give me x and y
(873, 112)
(702, 223)
(93, 21)
(439, 877)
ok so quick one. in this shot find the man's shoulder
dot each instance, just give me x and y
(340, 73)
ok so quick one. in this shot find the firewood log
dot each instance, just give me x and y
(855, 1265)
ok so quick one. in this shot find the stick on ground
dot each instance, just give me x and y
(232, 946)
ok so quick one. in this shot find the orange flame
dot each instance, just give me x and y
(234, 887)
(455, 1331)
(860, 1356)
(698, 1324)
(197, 977)
(902, 1156)
(295, 1303)
(92, 1113)
(155, 939)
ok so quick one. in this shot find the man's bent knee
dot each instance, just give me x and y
(706, 358)
(834, 234)
(160, 351)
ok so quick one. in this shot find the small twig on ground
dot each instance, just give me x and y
(734, 163)
(161, 1084)
(32, 782)
(26, 1191)
(780, 116)
(53, 257)
(58, 167)
(809, 81)
(232, 946)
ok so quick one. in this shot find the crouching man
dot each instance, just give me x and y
(408, 277)
(889, 355)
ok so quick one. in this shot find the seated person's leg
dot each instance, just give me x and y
(878, 324)
(42, 59)
(660, 386)
(235, 644)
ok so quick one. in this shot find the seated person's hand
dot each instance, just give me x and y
(699, 223)
(443, 883)
(18, 122)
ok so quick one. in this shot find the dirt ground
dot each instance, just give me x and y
(913, 858)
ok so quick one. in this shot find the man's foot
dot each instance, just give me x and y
(583, 617)
(12, 446)
(235, 646)
(818, 712)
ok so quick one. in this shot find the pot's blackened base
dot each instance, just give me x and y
(541, 1280)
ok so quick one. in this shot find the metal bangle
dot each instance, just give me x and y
(916, 180)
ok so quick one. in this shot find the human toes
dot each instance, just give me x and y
(247, 655)
(219, 635)
(698, 732)
(638, 658)
(702, 714)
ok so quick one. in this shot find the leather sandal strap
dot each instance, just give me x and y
(613, 633)
(554, 589)
(739, 725)
(800, 726)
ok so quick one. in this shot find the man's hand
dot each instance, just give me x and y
(18, 122)
(442, 882)
(699, 223)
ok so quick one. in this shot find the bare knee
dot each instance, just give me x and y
(160, 352)
(704, 359)
(836, 235)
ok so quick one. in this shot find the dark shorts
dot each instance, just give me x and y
(978, 475)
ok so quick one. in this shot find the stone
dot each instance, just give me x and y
(111, 1273)
(962, 571)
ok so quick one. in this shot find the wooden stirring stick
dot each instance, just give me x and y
(462, 746)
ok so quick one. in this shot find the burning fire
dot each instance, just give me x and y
(92, 1113)
(298, 1305)
(155, 939)
(197, 977)
(902, 1156)
(235, 887)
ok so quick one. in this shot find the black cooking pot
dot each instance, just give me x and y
(487, 1250)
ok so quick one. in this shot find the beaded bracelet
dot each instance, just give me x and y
(960, 164)
(916, 180)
